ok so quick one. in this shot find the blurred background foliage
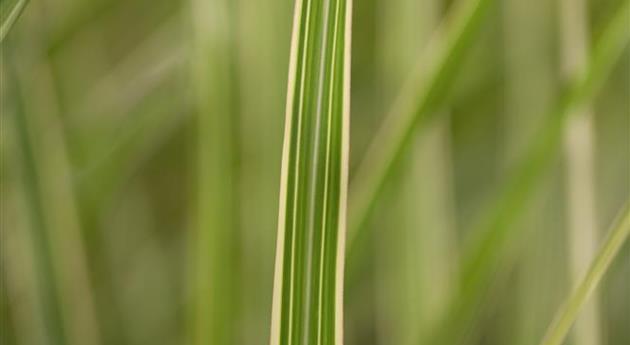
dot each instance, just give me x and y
(99, 179)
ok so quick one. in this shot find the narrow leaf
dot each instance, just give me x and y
(422, 95)
(497, 235)
(529, 94)
(214, 242)
(414, 258)
(579, 152)
(41, 242)
(308, 301)
(10, 11)
(56, 232)
(569, 312)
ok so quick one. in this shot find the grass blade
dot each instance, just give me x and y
(308, 301)
(607, 253)
(579, 151)
(414, 258)
(215, 240)
(10, 11)
(46, 278)
(517, 190)
(496, 235)
(56, 229)
(422, 95)
(529, 93)
(263, 39)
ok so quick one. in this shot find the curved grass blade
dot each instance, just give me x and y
(308, 301)
(496, 235)
(607, 253)
(10, 11)
(214, 308)
(424, 93)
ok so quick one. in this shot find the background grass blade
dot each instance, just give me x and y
(422, 95)
(263, 42)
(529, 93)
(569, 312)
(155, 131)
(414, 258)
(39, 236)
(10, 11)
(496, 238)
(579, 151)
(308, 301)
(56, 234)
(214, 244)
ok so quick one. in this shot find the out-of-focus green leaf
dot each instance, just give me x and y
(414, 258)
(214, 243)
(422, 95)
(10, 11)
(497, 235)
(569, 311)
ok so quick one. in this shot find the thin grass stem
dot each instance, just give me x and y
(579, 151)
(496, 238)
(568, 313)
(10, 11)
(423, 94)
